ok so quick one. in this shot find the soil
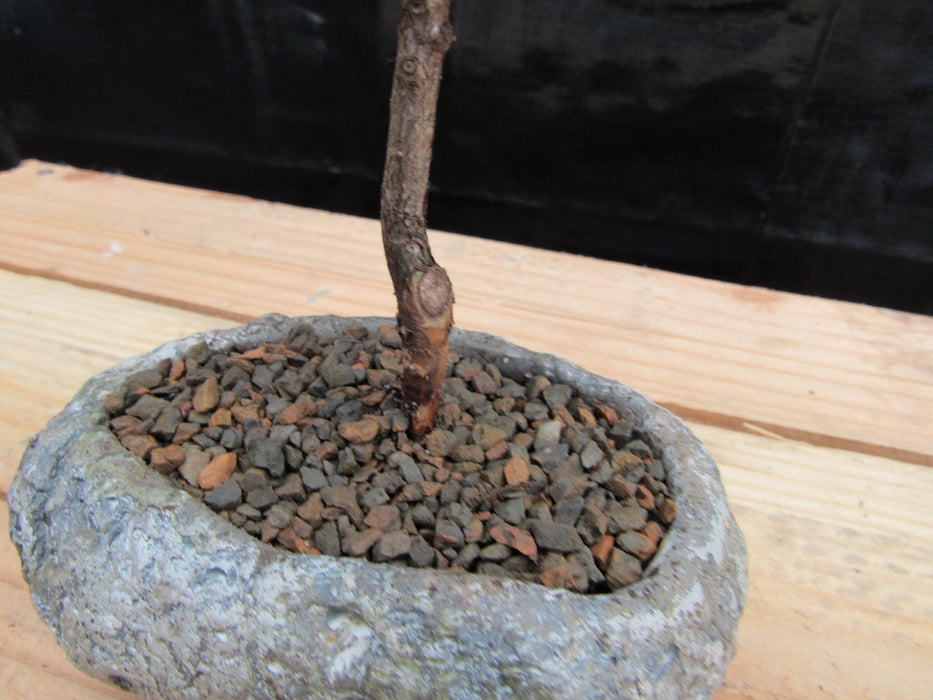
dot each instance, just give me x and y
(305, 445)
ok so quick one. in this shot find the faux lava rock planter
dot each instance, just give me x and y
(148, 589)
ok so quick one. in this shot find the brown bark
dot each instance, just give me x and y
(422, 287)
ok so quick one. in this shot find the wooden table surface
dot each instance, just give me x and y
(819, 413)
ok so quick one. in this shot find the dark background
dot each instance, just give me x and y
(784, 143)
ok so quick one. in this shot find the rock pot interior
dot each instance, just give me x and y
(148, 589)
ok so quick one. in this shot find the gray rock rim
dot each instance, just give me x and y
(150, 590)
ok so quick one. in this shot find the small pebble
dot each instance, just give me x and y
(304, 445)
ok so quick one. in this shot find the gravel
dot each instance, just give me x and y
(524, 480)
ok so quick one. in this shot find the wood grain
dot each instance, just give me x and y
(64, 335)
(827, 372)
(32, 665)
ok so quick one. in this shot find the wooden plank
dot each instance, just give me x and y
(22, 681)
(55, 353)
(32, 665)
(827, 372)
(841, 564)
(840, 543)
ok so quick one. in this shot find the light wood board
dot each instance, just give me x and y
(827, 372)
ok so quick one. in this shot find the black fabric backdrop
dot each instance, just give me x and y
(784, 143)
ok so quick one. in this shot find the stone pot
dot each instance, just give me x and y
(148, 589)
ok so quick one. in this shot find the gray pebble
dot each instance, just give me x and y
(147, 406)
(495, 552)
(226, 496)
(422, 554)
(391, 481)
(327, 540)
(535, 410)
(450, 492)
(267, 454)
(262, 497)
(313, 479)
(639, 448)
(339, 375)
(555, 536)
(568, 510)
(626, 518)
(591, 455)
(374, 497)
(279, 516)
(557, 395)
(422, 516)
(231, 439)
(552, 456)
(467, 556)
(512, 510)
(392, 545)
(195, 460)
(248, 511)
(460, 514)
(447, 533)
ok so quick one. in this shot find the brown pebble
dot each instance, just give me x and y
(222, 417)
(558, 577)
(258, 353)
(497, 451)
(177, 371)
(185, 432)
(431, 488)
(206, 396)
(622, 569)
(356, 544)
(139, 445)
(293, 413)
(384, 517)
(601, 551)
(301, 528)
(167, 459)
(358, 432)
(586, 416)
(607, 412)
(473, 532)
(217, 471)
(623, 460)
(373, 398)
(312, 510)
(653, 532)
(619, 487)
(268, 531)
(644, 497)
(562, 413)
(637, 544)
(242, 413)
(516, 538)
(668, 511)
(124, 425)
(289, 539)
(344, 498)
(516, 471)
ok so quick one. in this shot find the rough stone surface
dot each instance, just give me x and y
(195, 607)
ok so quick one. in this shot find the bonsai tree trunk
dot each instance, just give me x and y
(422, 287)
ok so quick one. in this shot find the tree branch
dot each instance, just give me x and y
(422, 288)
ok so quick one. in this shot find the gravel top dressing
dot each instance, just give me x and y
(304, 445)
